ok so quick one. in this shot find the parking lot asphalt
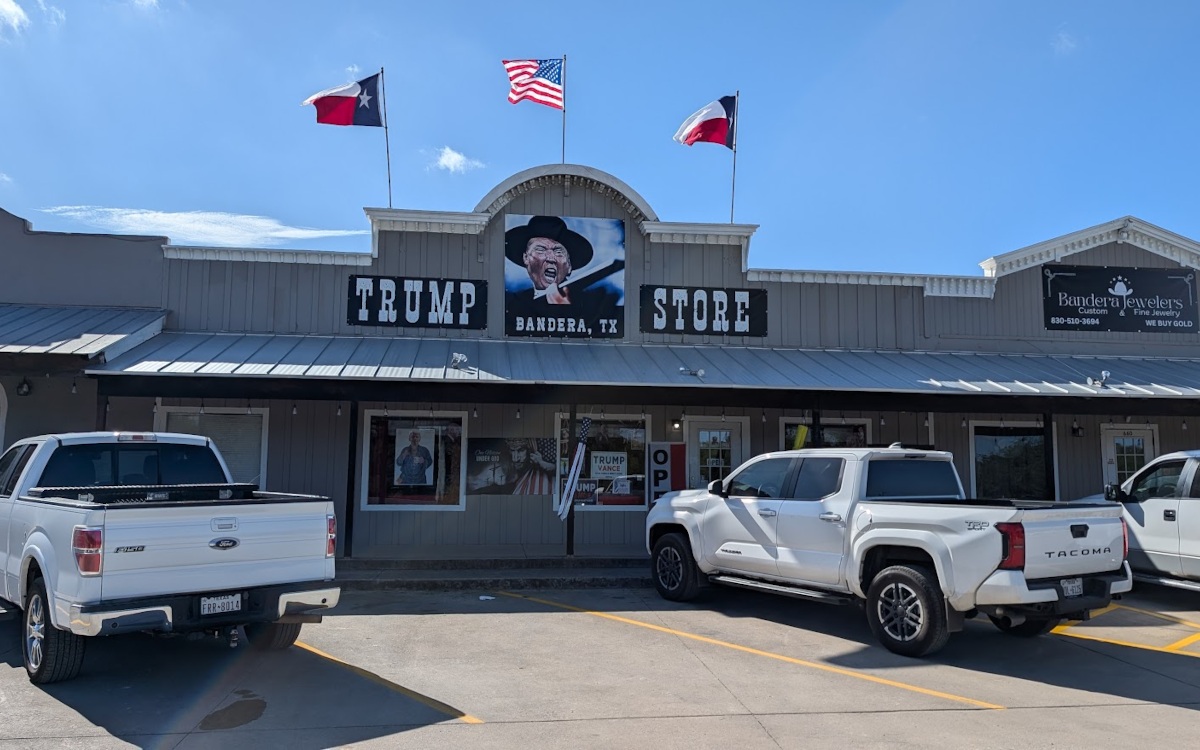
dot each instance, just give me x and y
(616, 668)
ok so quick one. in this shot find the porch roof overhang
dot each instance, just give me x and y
(68, 333)
(345, 360)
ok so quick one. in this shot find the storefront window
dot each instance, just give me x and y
(612, 474)
(1010, 462)
(846, 433)
(414, 462)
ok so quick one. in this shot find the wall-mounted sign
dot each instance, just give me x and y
(564, 277)
(410, 303)
(1109, 298)
(691, 309)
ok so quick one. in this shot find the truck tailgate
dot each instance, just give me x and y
(1064, 539)
(190, 548)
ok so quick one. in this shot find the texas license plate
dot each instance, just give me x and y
(216, 605)
(1072, 586)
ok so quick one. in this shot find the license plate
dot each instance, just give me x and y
(1072, 586)
(217, 605)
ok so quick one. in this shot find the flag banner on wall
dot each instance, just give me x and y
(511, 466)
(536, 80)
(349, 104)
(564, 506)
(712, 123)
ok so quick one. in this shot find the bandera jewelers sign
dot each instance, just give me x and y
(1109, 298)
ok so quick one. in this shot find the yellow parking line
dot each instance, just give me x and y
(767, 654)
(1159, 615)
(1127, 644)
(436, 705)
(1060, 629)
(1183, 642)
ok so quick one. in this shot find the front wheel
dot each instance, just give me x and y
(272, 636)
(1031, 628)
(51, 655)
(906, 611)
(675, 573)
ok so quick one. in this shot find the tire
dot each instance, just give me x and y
(906, 611)
(51, 655)
(1031, 628)
(675, 573)
(272, 636)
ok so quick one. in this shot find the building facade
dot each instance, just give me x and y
(437, 386)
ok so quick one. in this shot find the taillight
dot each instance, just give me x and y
(331, 536)
(1124, 539)
(88, 545)
(1012, 546)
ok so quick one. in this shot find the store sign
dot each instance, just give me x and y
(416, 302)
(704, 310)
(667, 468)
(1108, 298)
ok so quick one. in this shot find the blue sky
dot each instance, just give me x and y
(887, 136)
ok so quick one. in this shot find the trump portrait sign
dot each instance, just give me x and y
(564, 277)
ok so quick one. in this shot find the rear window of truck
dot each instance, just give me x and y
(900, 478)
(118, 465)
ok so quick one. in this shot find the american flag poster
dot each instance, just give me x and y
(511, 466)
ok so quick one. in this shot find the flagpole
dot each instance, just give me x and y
(564, 129)
(737, 97)
(386, 142)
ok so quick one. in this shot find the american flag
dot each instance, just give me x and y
(536, 80)
(568, 495)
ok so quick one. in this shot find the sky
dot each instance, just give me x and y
(909, 136)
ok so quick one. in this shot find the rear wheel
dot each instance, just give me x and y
(675, 573)
(1031, 628)
(272, 636)
(906, 611)
(51, 655)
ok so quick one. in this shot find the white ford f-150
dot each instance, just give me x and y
(890, 528)
(106, 533)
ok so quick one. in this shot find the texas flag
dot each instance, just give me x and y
(351, 104)
(714, 123)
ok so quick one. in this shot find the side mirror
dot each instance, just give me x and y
(1114, 494)
(717, 487)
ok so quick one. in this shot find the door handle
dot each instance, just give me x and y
(766, 513)
(831, 517)
(1168, 515)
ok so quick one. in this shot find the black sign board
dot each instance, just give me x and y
(416, 303)
(1110, 298)
(704, 310)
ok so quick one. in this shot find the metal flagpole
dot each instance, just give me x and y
(737, 97)
(564, 87)
(386, 143)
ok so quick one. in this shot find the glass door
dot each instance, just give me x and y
(1127, 448)
(714, 450)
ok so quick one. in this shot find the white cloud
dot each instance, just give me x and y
(146, 4)
(452, 161)
(54, 15)
(1064, 44)
(12, 16)
(196, 227)
(353, 70)
(5, 179)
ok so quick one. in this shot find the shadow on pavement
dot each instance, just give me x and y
(151, 692)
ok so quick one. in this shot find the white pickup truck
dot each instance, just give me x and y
(889, 528)
(1162, 511)
(107, 532)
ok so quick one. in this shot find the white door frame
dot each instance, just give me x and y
(1108, 428)
(717, 421)
(972, 424)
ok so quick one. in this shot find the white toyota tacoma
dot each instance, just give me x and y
(891, 529)
(105, 533)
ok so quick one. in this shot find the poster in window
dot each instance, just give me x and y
(564, 277)
(414, 459)
(399, 474)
